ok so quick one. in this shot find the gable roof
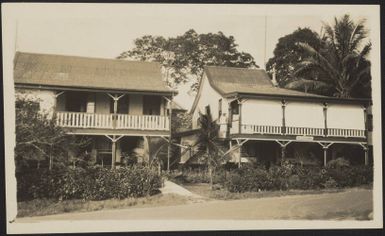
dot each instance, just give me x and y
(229, 80)
(245, 82)
(88, 73)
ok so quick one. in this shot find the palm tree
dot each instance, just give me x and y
(207, 141)
(340, 65)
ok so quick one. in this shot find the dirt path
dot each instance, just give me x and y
(350, 204)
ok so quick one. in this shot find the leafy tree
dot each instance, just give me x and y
(340, 63)
(38, 139)
(287, 54)
(183, 57)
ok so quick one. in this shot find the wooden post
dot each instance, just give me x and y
(283, 130)
(113, 160)
(366, 155)
(283, 152)
(325, 112)
(240, 116)
(325, 155)
(169, 143)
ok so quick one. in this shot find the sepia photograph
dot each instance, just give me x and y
(169, 117)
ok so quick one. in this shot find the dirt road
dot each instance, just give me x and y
(350, 204)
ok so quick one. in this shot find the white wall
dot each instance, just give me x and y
(304, 114)
(45, 98)
(345, 116)
(262, 112)
(208, 96)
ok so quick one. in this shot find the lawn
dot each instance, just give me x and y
(40, 207)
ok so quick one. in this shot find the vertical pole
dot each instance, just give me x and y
(240, 116)
(325, 112)
(169, 144)
(240, 157)
(283, 130)
(168, 155)
(115, 111)
(283, 152)
(325, 155)
(113, 152)
(366, 156)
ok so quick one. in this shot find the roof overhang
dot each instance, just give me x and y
(362, 101)
(93, 89)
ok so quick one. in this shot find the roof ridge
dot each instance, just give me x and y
(85, 57)
(237, 68)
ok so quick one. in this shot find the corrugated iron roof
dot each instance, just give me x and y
(91, 73)
(229, 80)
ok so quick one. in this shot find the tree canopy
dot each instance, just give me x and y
(287, 54)
(183, 57)
(342, 62)
(338, 66)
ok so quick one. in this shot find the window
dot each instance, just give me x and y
(234, 107)
(219, 108)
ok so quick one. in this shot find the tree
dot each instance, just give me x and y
(341, 63)
(38, 139)
(287, 54)
(183, 57)
(208, 141)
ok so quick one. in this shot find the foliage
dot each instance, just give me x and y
(38, 138)
(181, 121)
(94, 183)
(287, 54)
(183, 57)
(341, 62)
(289, 176)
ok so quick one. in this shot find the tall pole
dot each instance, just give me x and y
(264, 54)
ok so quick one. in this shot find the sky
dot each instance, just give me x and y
(95, 30)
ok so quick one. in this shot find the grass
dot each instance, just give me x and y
(222, 194)
(40, 207)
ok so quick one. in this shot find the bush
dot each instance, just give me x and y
(94, 183)
(248, 178)
(338, 174)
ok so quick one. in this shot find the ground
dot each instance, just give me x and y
(349, 204)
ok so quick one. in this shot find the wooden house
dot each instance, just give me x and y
(264, 123)
(120, 104)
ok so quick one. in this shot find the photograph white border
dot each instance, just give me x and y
(12, 11)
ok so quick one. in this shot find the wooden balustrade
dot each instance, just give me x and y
(298, 131)
(305, 131)
(337, 132)
(111, 121)
(261, 129)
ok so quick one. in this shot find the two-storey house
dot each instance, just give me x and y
(120, 104)
(263, 123)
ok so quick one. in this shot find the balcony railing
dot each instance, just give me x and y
(299, 131)
(111, 121)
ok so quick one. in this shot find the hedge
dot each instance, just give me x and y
(289, 176)
(93, 183)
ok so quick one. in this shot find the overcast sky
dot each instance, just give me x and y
(109, 29)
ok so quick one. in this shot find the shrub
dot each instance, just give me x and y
(248, 178)
(338, 174)
(94, 183)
